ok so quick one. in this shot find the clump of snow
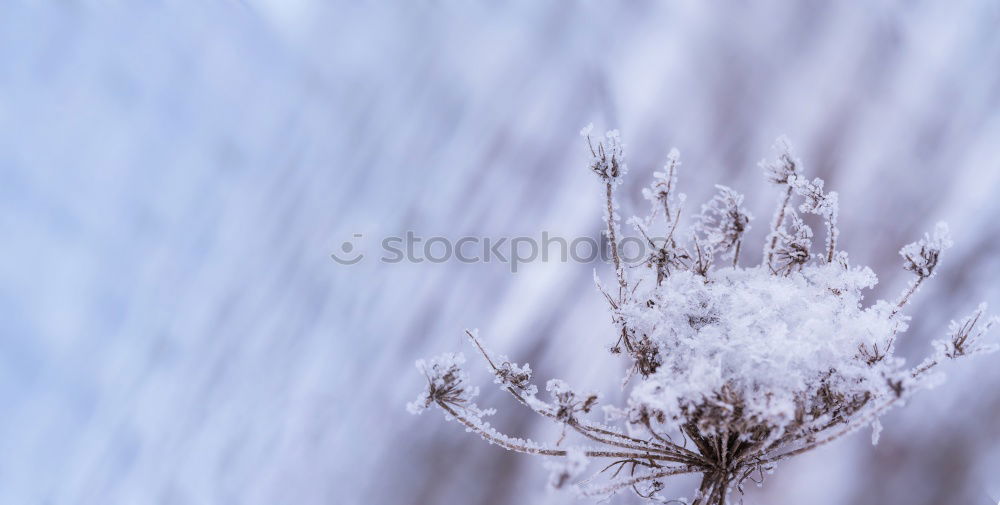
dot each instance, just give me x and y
(744, 349)
(876, 431)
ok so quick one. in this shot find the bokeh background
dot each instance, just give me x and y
(174, 177)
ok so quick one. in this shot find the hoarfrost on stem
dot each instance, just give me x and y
(735, 368)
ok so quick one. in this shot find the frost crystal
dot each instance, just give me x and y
(876, 431)
(732, 368)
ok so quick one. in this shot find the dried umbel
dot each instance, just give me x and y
(732, 368)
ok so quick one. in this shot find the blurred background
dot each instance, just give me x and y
(173, 180)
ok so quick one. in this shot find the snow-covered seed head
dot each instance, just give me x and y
(607, 157)
(569, 402)
(446, 383)
(786, 168)
(509, 374)
(921, 257)
(792, 248)
(966, 337)
(661, 192)
(723, 221)
(735, 367)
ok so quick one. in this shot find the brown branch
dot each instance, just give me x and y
(621, 484)
(673, 445)
(906, 296)
(613, 239)
(851, 428)
(776, 225)
(506, 444)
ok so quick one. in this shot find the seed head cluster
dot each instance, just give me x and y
(731, 368)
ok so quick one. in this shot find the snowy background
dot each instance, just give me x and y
(174, 178)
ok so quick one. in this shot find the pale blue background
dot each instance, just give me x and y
(173, 177)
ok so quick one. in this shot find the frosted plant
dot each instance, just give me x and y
(732, 369)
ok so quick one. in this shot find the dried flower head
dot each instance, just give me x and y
(446, 383)
(737, 367)
(722, 223)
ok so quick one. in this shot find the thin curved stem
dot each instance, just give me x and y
(779, 218)
(850, 428)
(624, 483)
(507, 444)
